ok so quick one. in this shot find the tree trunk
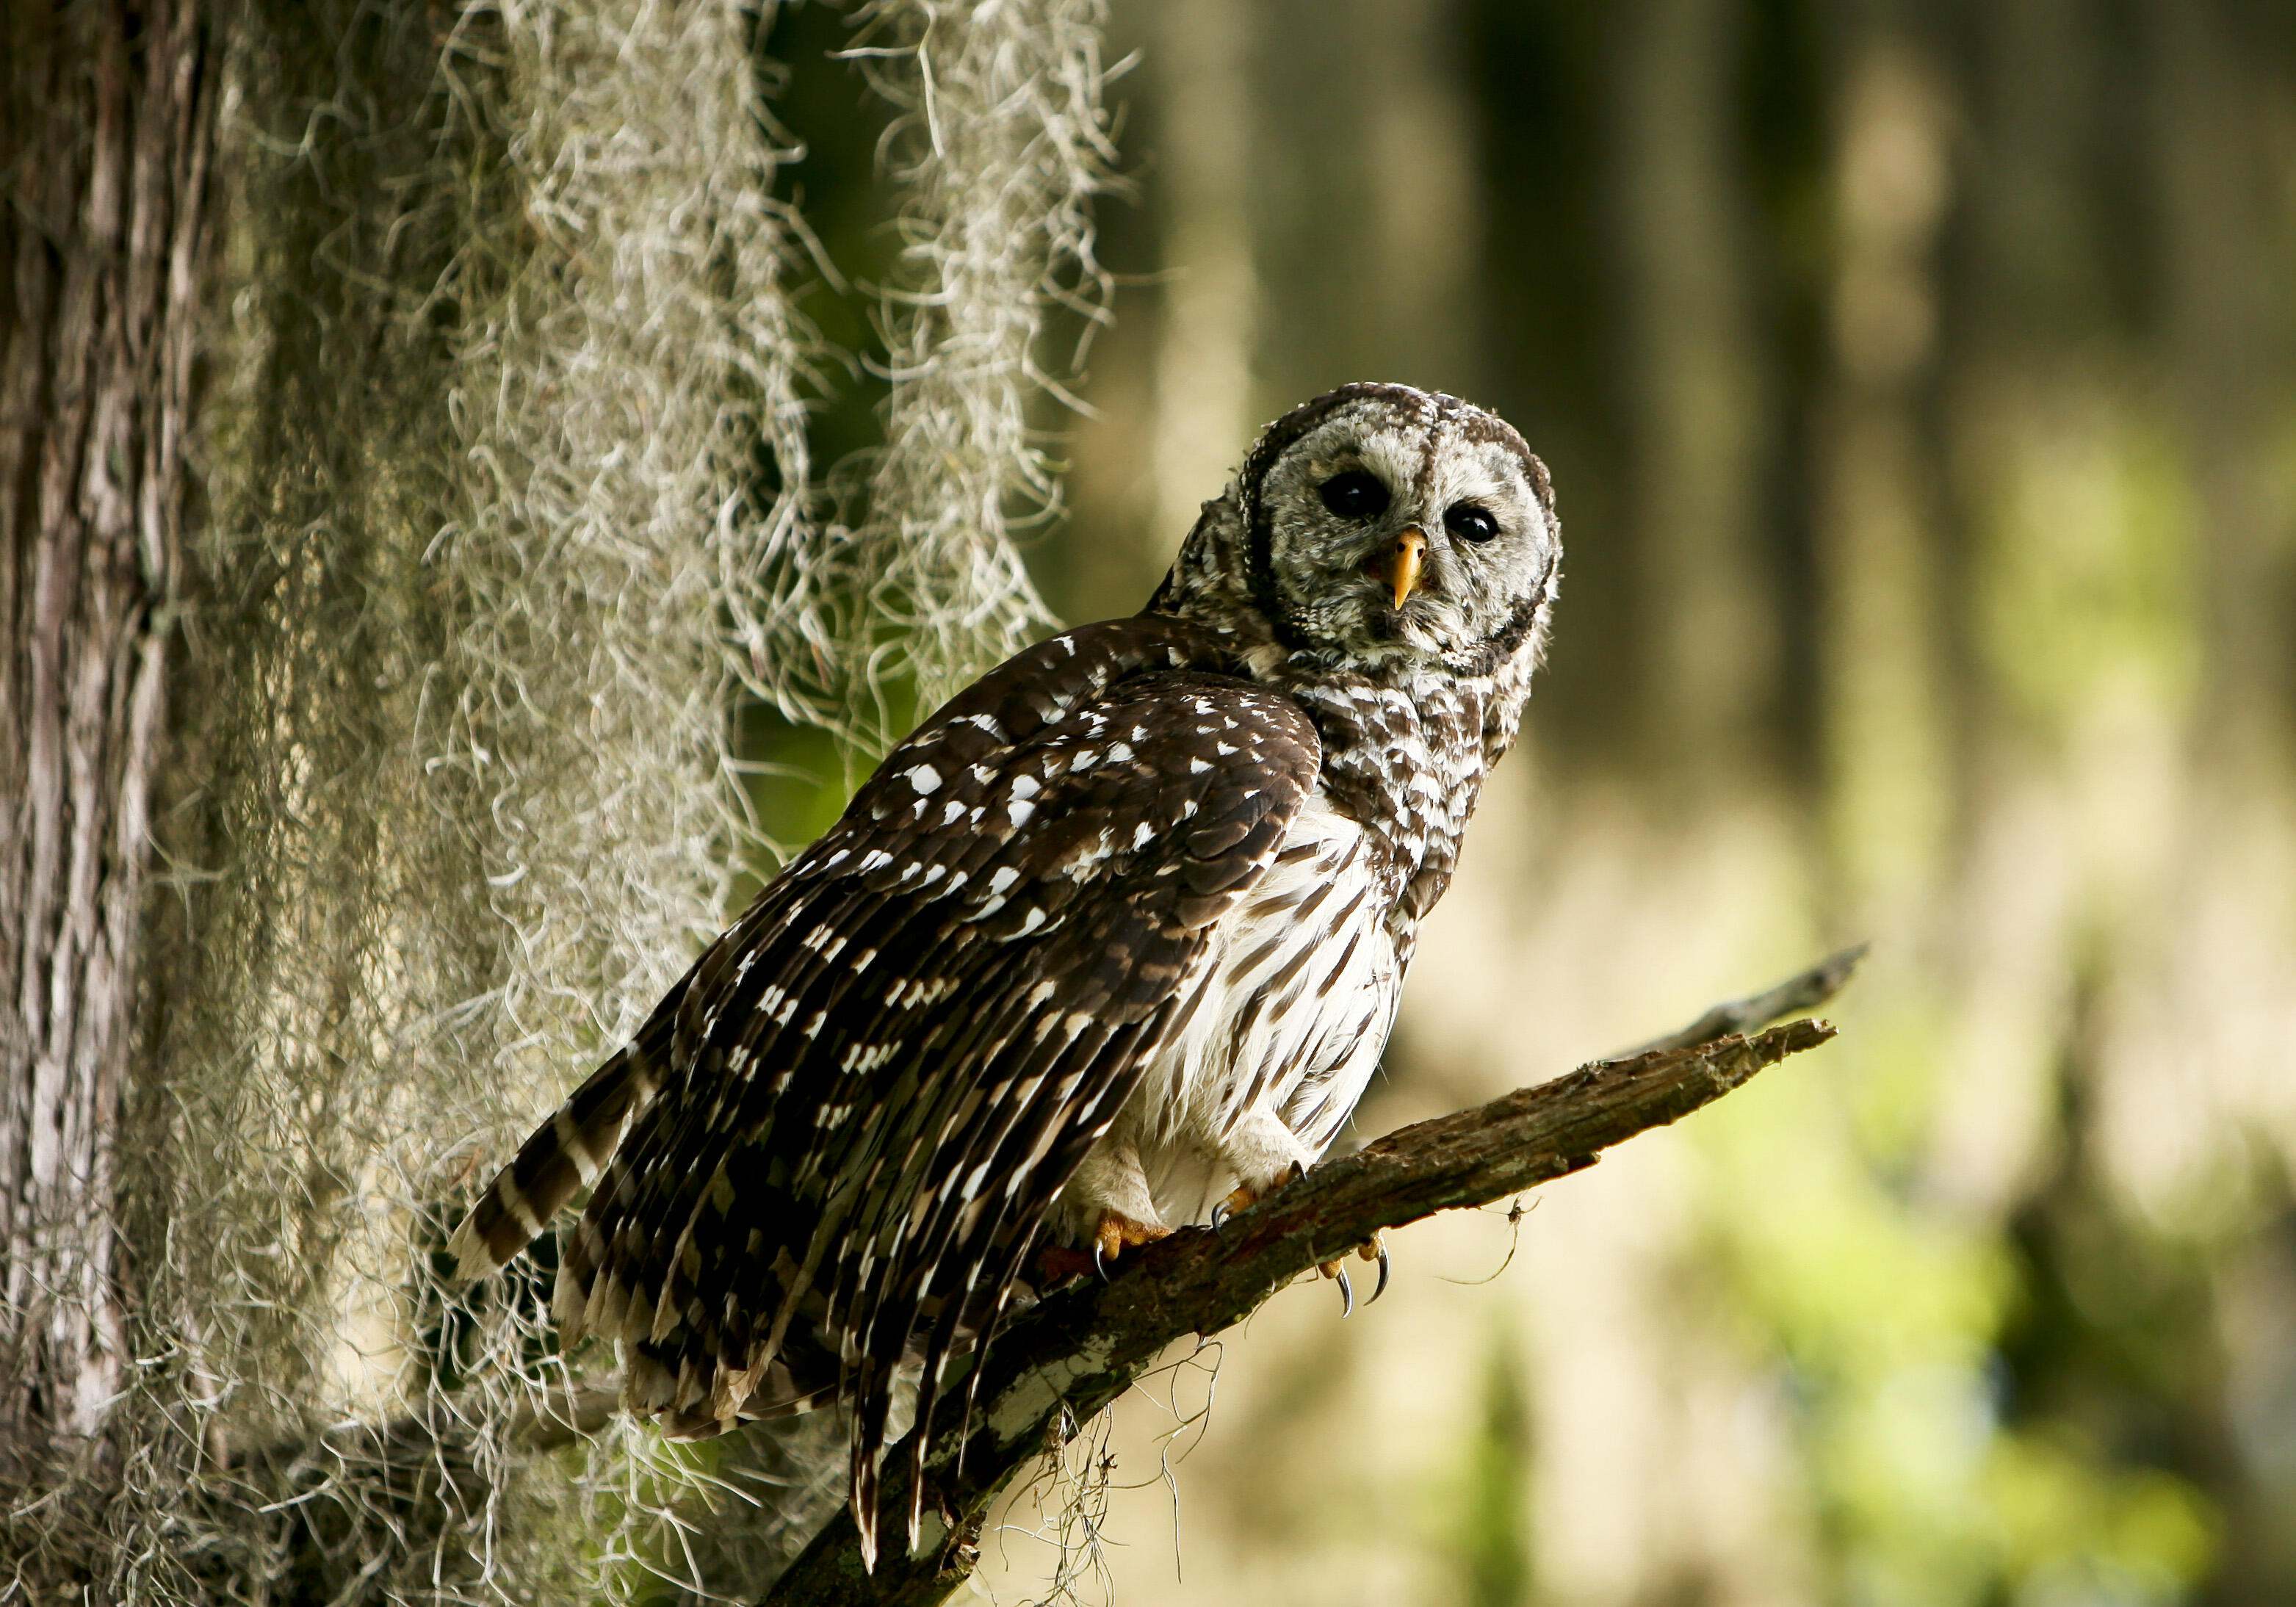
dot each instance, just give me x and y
(106, 125)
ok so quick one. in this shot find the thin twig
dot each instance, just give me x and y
(1804, 990)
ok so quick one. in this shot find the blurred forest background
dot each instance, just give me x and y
(1919, 383)
(1919, 386)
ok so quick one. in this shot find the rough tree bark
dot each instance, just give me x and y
(1063, 1362)
(106, 128)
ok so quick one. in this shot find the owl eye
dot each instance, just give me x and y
(1355, 495)
(1469, 522)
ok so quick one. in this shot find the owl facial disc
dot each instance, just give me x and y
(1396, 530)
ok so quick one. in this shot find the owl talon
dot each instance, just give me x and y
(1115, 1233)
(1242, 1197)
(1374, 1249)
(1118, 1232)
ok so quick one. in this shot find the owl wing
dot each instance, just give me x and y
(875, 1084)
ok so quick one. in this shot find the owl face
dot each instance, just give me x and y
(1380, 525)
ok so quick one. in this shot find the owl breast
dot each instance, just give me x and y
(1299, 993)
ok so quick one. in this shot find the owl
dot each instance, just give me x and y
(1112, 943)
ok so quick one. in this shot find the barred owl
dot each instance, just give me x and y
(1115, 939)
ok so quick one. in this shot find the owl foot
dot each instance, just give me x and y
(1115, 1234)
(1373, 1249)
(1238, 1200)
(1244, 1196)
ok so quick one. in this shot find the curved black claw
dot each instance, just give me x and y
(1381, 1290)
(1347, 1295)
(1220, 1214)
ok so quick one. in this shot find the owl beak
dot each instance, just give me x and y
(1404, 564)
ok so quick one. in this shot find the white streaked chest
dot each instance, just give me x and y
(1298, 995)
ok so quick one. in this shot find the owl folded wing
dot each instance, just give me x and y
(873, 1085)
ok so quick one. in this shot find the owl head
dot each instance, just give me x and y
(1380, 527)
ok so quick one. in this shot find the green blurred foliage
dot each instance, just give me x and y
(1492, 1540)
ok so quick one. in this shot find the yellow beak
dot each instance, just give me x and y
(1405, 563)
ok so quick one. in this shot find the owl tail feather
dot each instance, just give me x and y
(563, 1154)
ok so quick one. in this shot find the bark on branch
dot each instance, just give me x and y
(1064, 1360)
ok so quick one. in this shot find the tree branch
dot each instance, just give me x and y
(1060, 1363)
(1805, 990)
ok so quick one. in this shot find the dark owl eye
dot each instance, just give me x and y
(1355, 495)
(1469, 522)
